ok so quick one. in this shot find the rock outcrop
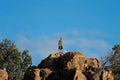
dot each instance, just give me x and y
(3, 75)
(68, 66)
(107, 74)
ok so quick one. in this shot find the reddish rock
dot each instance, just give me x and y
(35, 73)
(93, 62)
(52, 61)
(3, 75)
(30, 73)
(68, 66)
(79, 75)
(107, 74)
(72, 60)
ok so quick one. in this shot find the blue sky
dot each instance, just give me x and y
(88, 26)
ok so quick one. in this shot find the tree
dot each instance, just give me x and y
(114, 60)
(26, 61)
(12, 60)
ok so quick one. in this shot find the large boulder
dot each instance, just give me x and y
(35, 73)
(79, 75)
(72, 60)
(107, 74)
(3, 75)
(68, 66)
(71, 74)
(44, 73)
(31, 73)
(51, 62)
(92, 69)
(58, 61)
(93, 62)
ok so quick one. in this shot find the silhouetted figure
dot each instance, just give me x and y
(60, 46)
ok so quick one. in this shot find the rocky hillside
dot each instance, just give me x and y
(68, 66)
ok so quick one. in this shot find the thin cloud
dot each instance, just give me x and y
(88, 46)
(41, 47)
(37, 46)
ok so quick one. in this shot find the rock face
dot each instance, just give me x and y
(68, 66)
(107, 74)
(60, 61)
(3, 75)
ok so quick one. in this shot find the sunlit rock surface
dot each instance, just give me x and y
(3, 75)
(68, 66)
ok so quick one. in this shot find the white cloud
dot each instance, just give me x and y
(90, 47)
(41, 47)
(38, 46)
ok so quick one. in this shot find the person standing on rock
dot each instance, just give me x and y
(60, 46)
